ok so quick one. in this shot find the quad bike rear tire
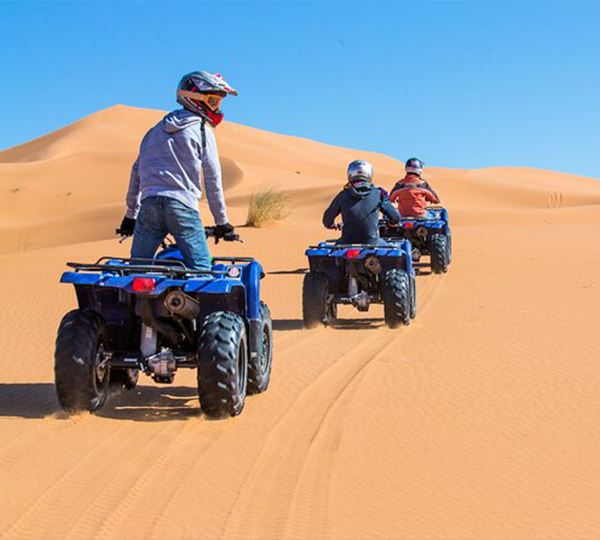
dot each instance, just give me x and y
(222, 365)
(438, 249)
(396, 298)
(80, 371)
(316, 311)
(413, 297)
(259, 366)
(449, 244)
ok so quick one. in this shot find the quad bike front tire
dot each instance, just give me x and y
(438, 249)
(316, 311)
(222, 365)
(397, 298)
(81, 373)
(259, 365)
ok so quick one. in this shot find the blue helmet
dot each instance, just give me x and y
(414, 165)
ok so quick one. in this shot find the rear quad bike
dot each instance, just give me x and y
(429, 236)
(156, 316)
(359, 275)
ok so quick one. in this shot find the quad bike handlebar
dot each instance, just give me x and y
(210, 232)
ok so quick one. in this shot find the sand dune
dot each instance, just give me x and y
(478, 421)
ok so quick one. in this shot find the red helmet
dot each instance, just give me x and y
(202, 92)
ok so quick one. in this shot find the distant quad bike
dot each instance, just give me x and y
(430, 236)
(359, 275)
(157, 316)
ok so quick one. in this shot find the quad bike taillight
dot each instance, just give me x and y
(143, 284)
(353, 253)
(409, 225)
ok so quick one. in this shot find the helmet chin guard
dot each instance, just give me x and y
(214, 118)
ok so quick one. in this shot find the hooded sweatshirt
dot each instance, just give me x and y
(360, 204)
(171, 156)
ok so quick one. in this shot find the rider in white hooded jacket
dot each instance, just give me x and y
(165, 187)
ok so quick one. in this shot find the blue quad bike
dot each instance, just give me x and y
(430, 236)
(359, 275)
(157, 316)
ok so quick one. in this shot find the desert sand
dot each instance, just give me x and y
(478, 421)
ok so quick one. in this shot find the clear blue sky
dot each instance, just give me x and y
(460, 84)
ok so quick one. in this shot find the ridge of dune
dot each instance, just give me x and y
(113, 129)
(84, 167)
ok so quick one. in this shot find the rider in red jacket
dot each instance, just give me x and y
(412, 193)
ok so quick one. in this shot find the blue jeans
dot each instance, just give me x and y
(160, 216)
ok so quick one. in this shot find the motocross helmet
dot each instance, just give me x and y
(414, 165)
(360, 170)
(201, 92)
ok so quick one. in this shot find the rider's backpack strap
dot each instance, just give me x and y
(203, 133)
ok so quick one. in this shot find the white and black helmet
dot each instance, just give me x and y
(360, 170)
(201, 92)
(414, 165)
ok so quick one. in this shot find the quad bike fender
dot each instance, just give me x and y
(252, 273)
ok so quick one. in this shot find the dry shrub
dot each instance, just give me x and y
(268, 204)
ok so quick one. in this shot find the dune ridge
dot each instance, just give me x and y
(477, 421)
(54, 179)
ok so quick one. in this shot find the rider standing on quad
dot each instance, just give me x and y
(412, 193)
(165, 187)
(359, 203)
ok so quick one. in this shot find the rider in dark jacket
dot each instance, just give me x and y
(360, 203)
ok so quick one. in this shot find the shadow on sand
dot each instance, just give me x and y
(357, 324)
(27, 400)
(143, 404)
(288, 272)
(153, 404)
(422, 269)
(283, 325)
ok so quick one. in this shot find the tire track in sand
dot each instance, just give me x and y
(275, 485)
(71, 489)
(267, 495)
(157, 485)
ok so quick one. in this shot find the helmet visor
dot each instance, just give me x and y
(212, 100)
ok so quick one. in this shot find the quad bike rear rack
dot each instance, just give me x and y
(333, 245)
(234, 260)
(173, 268)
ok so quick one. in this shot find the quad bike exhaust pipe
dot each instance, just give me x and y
(373, 265)
(151, 321)
(180, 304)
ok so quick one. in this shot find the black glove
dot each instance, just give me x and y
(223, 230)
(127, 227)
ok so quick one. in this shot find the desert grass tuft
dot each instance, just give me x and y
(266, 205)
